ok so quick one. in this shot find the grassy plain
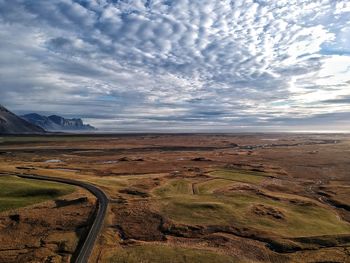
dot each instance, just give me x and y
(240, 176)
(161, 254)
(203, 198)
(18, 192)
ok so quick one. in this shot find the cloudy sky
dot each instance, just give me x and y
(179, 65)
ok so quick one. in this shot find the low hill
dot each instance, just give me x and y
(10, 123)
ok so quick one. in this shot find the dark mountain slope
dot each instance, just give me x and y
(10, 123)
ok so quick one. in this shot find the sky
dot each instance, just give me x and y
(179, 65)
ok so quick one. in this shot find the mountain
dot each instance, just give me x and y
(57, 123)
(10, 123)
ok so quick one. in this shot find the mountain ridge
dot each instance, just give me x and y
(57, 123)
(10, 123)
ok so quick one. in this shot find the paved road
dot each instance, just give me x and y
(102, 202)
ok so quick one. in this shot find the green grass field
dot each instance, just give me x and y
(18, 192)
(207, 207)
(175, 187)
(236, 209)
(161, 254)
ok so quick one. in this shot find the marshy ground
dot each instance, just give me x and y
(179, 198)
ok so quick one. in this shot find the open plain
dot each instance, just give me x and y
(178, 198)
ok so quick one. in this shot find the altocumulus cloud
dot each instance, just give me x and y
(179, 65)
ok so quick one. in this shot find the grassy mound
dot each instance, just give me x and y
(280, 214)
(238, 209)
(17, 192)
(174, 187)
(208, 187)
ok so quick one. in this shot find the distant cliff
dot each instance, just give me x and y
(10, 123)
(57, 123)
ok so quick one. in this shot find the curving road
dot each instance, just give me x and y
(102, 202)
